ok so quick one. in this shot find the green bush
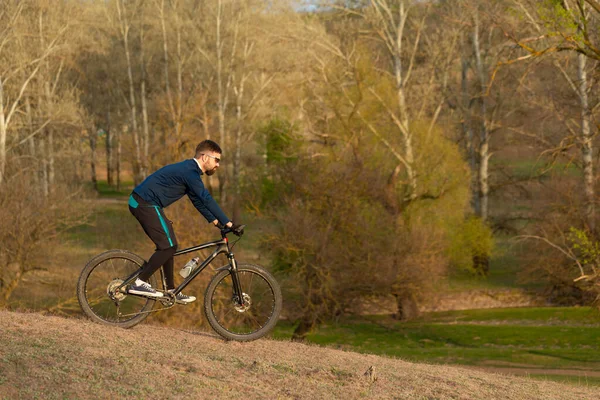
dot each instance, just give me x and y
(471, 238)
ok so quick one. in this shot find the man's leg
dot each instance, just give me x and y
(169, 273)
(160, 230)
(158, 259)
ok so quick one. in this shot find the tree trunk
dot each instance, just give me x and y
(237, 162)
(93, 142)
(145, 134)
(237, 159)
(392, 17)
(484, 139)
(484, 188)
(44, 167)
(402, 107)
(30, 130)
(43, 150)
(166, 67)
(118, 139)
(390, 196)
(205, 118)
(222, 99)
(305, 326)
(179, 125)
(467, 129)
(109, 161)
(175, 107)
(50, 155)
(220, 94)
(406, 307)
(481, 263)
(8, 290)
(586, 143)
(125, 26)
(2, 134)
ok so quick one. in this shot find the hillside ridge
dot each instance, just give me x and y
(55, 357)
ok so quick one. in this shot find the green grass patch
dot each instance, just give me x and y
(547, 338)
(106, 190)
(110, 226)
(526, 168)
(547, 315)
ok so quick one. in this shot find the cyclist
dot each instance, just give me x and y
(163, 188)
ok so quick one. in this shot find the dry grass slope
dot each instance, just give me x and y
(51, 357)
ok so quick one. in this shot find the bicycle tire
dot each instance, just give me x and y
(130, 262)
(265, 297)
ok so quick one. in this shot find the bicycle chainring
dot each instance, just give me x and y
(168, 300)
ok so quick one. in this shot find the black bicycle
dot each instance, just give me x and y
(242, 301)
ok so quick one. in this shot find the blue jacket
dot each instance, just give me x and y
(170, 183)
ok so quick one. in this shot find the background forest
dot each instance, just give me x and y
(379, 150)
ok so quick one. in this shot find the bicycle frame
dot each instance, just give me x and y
(222, 246)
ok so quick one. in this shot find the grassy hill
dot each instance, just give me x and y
(52, 357)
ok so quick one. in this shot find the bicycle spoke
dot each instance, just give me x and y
(259, 303)
(107, 275)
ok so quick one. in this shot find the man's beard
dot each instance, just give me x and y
(210, 171)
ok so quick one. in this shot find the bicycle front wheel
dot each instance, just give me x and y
(98, 295)
(260, 309)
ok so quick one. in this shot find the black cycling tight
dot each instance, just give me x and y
(164, 258)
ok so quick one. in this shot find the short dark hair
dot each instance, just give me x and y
(207, 145)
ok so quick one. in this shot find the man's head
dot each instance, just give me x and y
(208, 153)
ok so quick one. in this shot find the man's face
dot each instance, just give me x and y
(211, 162)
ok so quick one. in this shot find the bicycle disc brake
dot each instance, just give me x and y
(245, 304)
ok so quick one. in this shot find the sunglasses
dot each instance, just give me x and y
(217, 159)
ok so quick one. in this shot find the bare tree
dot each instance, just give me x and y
(175, 105)
(20, 69)
(579, 37)
(125, 25)
(38, 108)
(224, 77)
(484, 136)
(389, 22)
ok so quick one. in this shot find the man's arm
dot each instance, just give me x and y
(202, 209)
(205, 203)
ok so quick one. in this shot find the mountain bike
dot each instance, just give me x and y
(242, 301)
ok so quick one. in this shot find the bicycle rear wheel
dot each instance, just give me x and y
(261, 308)
(97, 290)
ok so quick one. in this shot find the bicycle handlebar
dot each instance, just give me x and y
(239, 231)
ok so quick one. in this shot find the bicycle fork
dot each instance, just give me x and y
(238, 294)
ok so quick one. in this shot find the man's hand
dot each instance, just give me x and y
(237, 229)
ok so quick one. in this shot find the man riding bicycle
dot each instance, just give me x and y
(163, 188)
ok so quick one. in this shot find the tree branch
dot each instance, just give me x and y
(594, 4)
(568, 254)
